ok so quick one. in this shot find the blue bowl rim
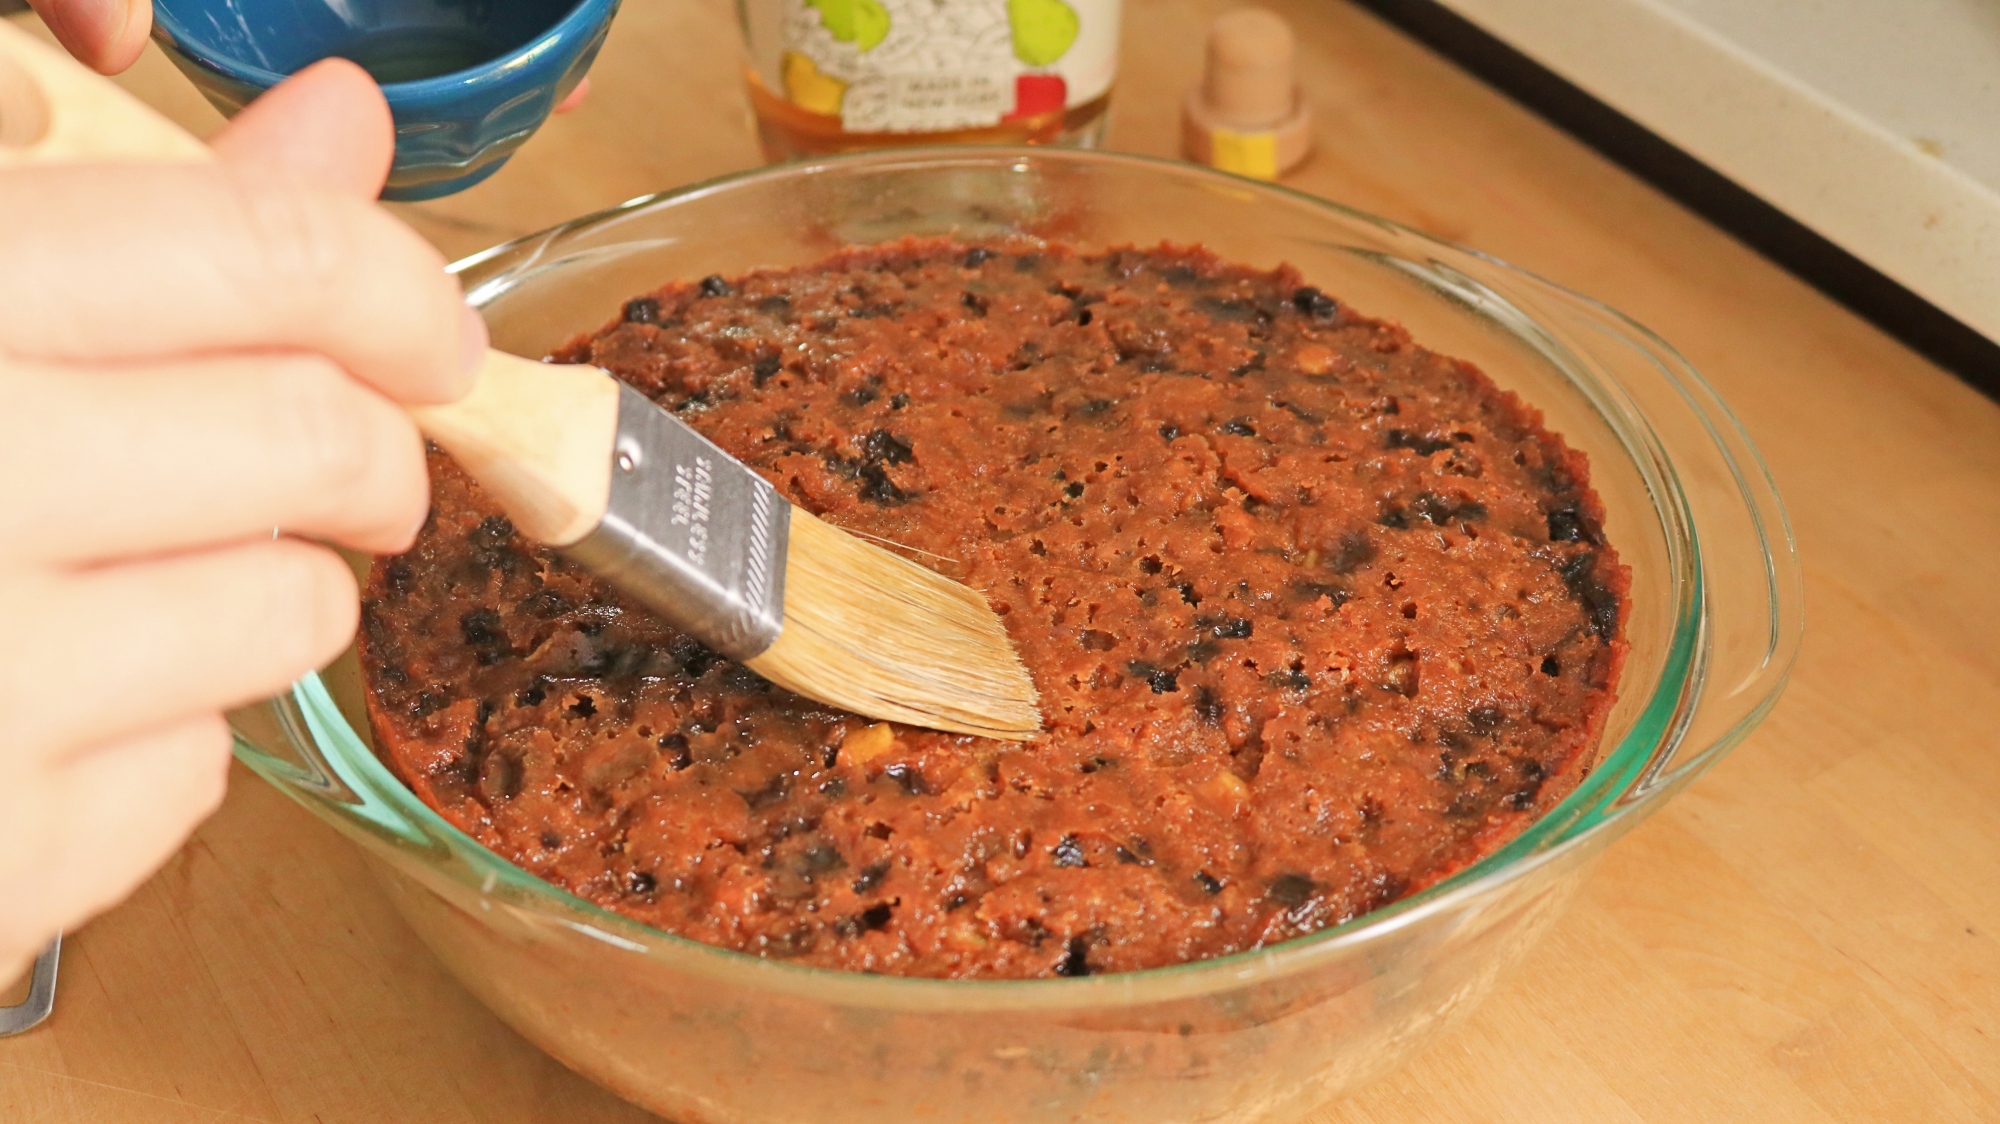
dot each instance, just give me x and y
(173, 35)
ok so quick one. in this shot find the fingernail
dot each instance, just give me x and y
(91, 27)
(576, 96)
(473, 341)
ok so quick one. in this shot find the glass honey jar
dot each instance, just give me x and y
(830, 76)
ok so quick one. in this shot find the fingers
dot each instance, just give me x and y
(105, 35)
(170, 457)
(105, 653)
(328, 124)
(575, 97)
(14, 964)
(148, 792)
(114, 263)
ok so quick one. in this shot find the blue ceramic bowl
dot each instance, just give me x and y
(467, 80)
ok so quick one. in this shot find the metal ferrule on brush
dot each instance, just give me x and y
(692, 532)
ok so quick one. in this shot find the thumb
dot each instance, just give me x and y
(105, 35)
(328, 124)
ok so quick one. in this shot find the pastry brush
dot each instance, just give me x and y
(596, 470)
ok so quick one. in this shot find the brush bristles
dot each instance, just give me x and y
(882, 636)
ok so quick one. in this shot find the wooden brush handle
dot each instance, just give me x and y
(537, 436)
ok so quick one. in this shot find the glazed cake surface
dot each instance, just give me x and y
(1318, 617)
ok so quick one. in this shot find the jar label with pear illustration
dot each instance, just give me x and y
(920, 66)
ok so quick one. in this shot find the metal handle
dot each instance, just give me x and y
(29, 1013)
(691, 532)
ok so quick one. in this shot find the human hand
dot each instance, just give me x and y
(105, 35)
(191, 356)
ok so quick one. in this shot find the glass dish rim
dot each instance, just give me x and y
(1601, 801)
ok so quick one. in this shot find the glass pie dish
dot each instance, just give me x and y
(701, 1034)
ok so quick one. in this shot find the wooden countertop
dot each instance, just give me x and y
(1812, 932)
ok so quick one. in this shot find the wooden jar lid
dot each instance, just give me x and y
(1247, 116)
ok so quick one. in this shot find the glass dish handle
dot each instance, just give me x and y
(1753, 594)
(280, 741)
